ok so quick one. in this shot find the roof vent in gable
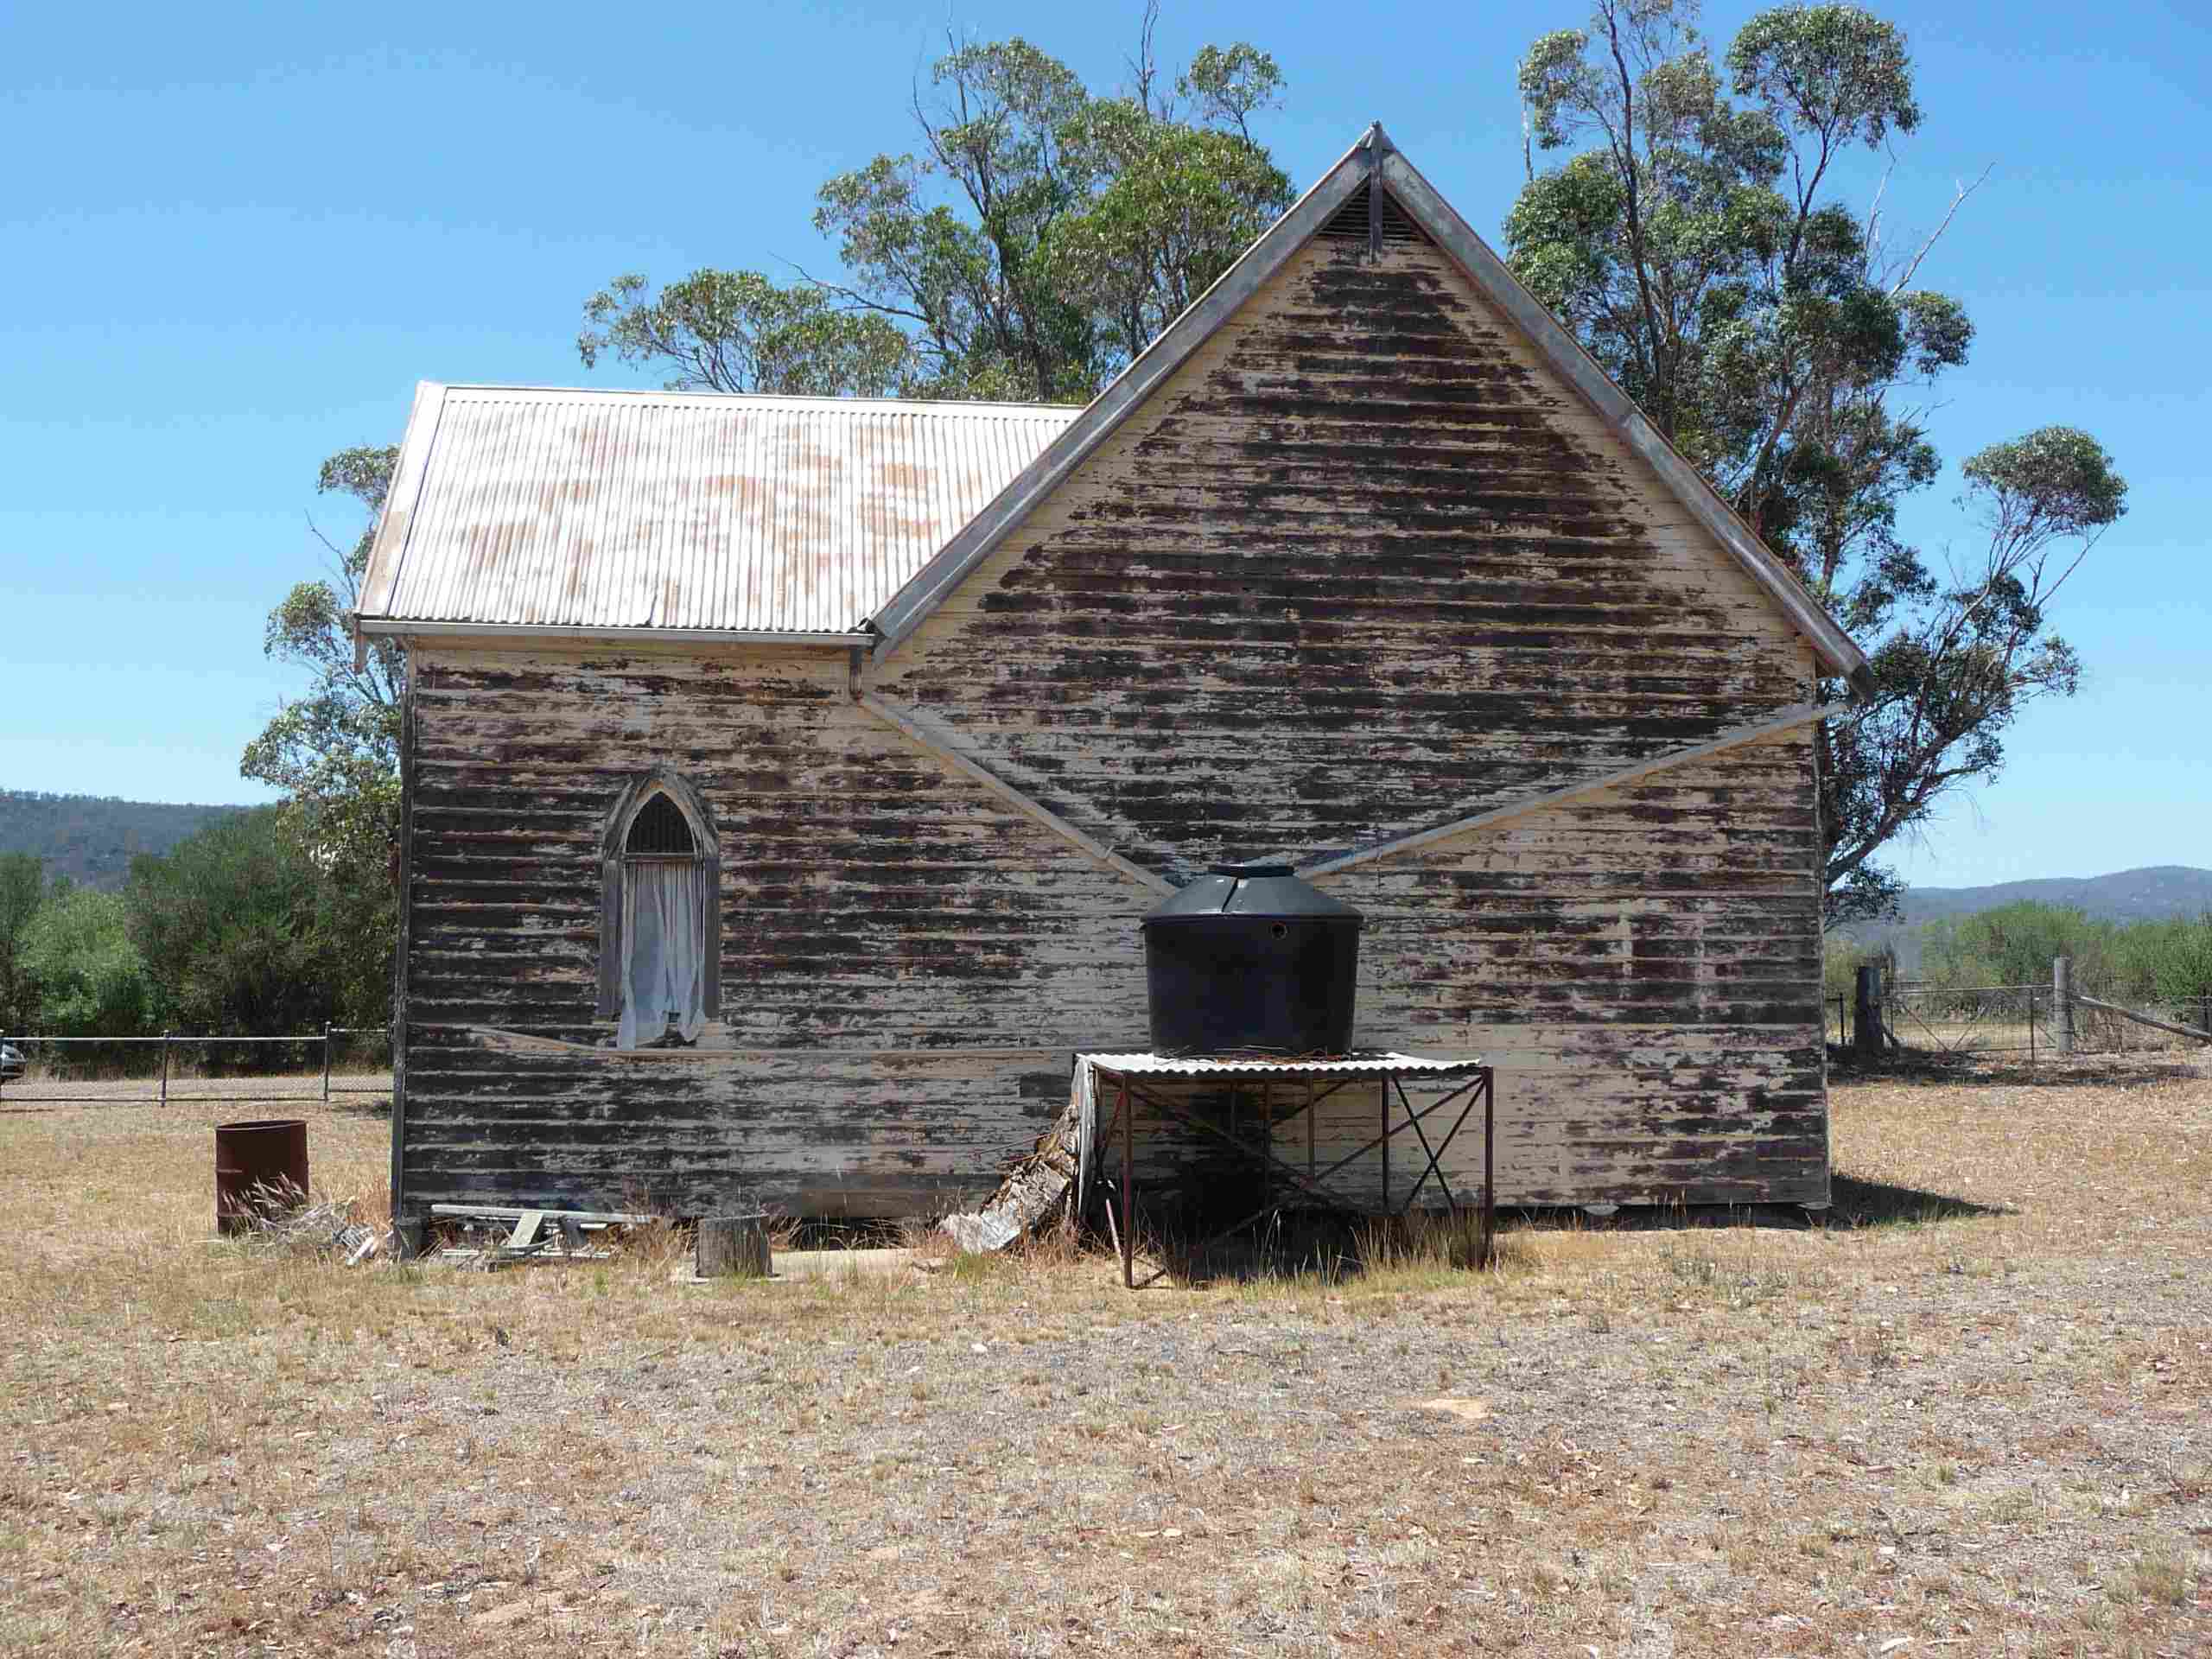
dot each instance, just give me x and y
(1349, 222)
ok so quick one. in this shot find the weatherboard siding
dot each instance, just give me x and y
(1360, 567)
(1360, 560)
(891, 1037)
(1649, 996)
(1363, 565)
(906, 961)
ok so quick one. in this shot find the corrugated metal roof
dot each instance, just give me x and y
(525, 507)
(1377, 1060)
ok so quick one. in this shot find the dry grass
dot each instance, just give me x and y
(1977, 1421)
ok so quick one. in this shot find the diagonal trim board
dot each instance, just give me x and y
(918, 730)
(940, 745)
(1802, 713)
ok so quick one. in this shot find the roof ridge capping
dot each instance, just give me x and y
(1371, 156)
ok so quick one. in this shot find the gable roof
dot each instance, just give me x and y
(676, 515)
(1371, 161)
(697, 516)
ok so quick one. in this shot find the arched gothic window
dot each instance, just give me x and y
(660, 914)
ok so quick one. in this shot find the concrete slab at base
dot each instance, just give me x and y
(819, 1264)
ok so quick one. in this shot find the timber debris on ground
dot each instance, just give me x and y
(280, 1217)
(1034, 1194)
(519, 1233)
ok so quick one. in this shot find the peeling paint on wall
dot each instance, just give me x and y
(1358, 567)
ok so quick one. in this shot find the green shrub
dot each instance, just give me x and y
(87, 979)
(2165, 960)
(231, 926)
(91, 981)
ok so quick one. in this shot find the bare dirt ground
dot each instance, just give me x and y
(1973, 1415)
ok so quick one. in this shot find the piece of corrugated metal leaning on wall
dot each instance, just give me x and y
(1356, 569)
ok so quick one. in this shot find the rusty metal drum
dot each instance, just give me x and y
(253, 1160)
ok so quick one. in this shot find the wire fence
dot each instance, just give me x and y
(181, 1067)
(1972, 1018)
(2021, 1020)
(2120, 1026)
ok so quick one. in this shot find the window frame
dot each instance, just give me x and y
(615, 860)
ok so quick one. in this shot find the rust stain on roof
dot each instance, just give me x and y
(682, 510)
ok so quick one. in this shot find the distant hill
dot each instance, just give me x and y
(2161, 890)
(92, 838)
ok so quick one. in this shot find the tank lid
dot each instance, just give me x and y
(1266, 892)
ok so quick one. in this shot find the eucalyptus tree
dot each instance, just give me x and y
(1035, 239)
(737, 331)
(1695, 240)
(333, 751)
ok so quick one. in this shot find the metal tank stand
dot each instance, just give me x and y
(1125, 1076)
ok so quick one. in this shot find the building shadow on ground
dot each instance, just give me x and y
(1971, 1071)
(1855, 1203)
(2098, 1073)
(1297, 1243)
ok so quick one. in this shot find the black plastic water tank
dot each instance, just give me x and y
(1248, 959)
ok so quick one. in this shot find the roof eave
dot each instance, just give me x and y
(528, 632)
(388, 546)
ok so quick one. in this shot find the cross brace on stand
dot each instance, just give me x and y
(1479, 1086)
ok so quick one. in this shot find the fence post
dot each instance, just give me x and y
(326, 1062)
(165, 1068)
(1866, 1017)
(2061, 999)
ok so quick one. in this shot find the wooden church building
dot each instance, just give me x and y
(786, 778)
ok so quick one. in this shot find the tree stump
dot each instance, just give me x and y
(735, 1244)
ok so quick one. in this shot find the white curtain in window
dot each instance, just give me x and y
(664, 965)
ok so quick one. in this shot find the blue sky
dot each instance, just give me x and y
(235, 237)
